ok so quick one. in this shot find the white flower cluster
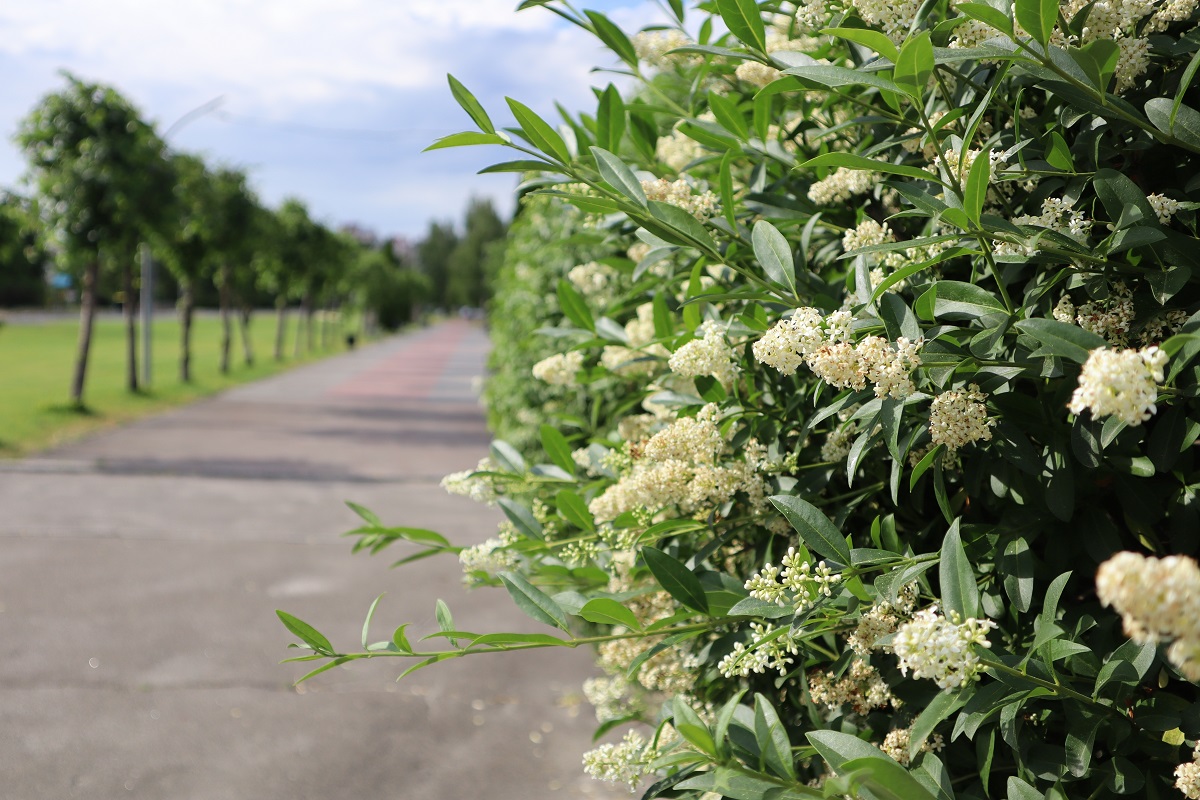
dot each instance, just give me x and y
(625, 763)
(941, 649)
(594, 281)
(678, 466)
(1133, 59)
(1159, 601)
(770, 648)
(708, 355)
(559, 369)
(838, 443)
(1120, 383)
(896, 743)
(880, 620)
(1057, 215)
(865, 234)
(957, 418)
(1187, 776)
(1164, 207)
(490, 557)
(841, 185)
(676, 150)
(468, 484)
(757, 73)
(610, 696)
(863, 689)
(1110, 317)
(894, 16)
(654, 48)
(806, 338)
(799, 585)
(681, 194)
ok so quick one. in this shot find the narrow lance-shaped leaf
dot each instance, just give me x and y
(678, 581)
(744, 20)
(470, 105)
(814, 527)
(960, 593)
(533, 601)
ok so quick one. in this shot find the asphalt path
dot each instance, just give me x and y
(140, 571)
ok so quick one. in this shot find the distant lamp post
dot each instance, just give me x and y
(147, 298)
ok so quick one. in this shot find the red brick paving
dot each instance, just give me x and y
(413, 372)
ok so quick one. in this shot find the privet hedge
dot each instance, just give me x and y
(867, 423)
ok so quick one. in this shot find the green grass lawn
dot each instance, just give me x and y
(38, 360)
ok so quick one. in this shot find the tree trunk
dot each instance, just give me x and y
(87, 315)
(244, 324)
(226, 326)
(280, 326)
(129, 311)
(187, 304)
(309, 331)
(304, 318)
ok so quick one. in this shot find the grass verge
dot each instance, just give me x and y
(37, 360)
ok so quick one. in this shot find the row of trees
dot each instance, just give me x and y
(106, 185)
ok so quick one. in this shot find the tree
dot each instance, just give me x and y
(22, 257)
(299, 240)
(188, 255)
(469, 279)
(232, 240)
(101, 172)
(271, 268)
(433, 254)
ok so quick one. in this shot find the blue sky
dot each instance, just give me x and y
(328, 100)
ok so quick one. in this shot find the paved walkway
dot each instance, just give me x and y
(140, 570)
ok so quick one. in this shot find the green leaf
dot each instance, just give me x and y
(613, 37)
(1037, 17)
(956, 299)
(1017, 567)
(337, 662)
(851, 161)
(557, 448)
(507, 456)
(814, 527)
(1118, 194)
(898, 318)
(522, 518)
(873, 40)
(445, 620)
(470, 105)
(676, 579)
(609, 612)
(500, 639)
(774, 253)
(975, 192)
(834, 77)
(539, 132)
(1098, 59)
(727, 113)
(306, 633)
(987, 15)
(574, 306)
(367, 623)
(744, 21)
(935, 712)
(466, 139)
(573, 507)
(1061, 339)
(400, 639)
(610, 119)
(960, 593)
(692, 728)
(687, 229)
(369, 516)
(1186, 123)
(839, 748)
(535, 603)
(884, 779)
(619, 176)
(924, 464)
(521, 165)
(772, 739)
(914, 65)
(753, 607)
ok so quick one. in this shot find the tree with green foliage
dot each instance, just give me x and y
(270, 268)
(104, 184)
(473, 261)
(433, 255)
(187, 256)
(232, 246)
(22, 256)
